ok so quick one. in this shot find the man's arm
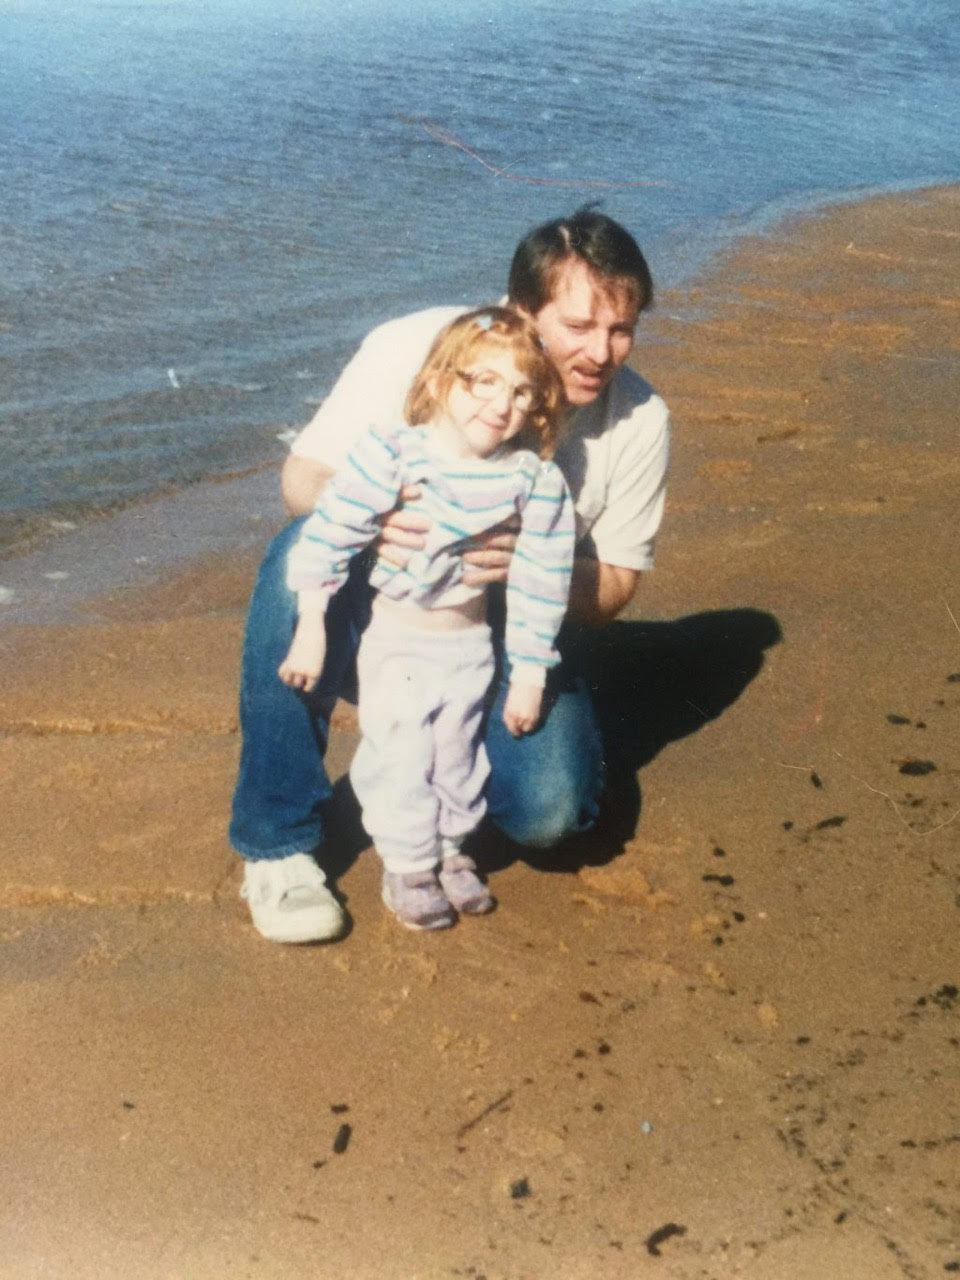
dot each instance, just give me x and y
(302, 480)
(623, 533)
(598, 591)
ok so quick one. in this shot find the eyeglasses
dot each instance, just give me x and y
(486, 384)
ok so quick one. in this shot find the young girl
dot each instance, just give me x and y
(482, 415)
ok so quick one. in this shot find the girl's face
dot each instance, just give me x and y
(488, 403)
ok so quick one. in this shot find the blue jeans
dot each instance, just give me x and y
(543, 786)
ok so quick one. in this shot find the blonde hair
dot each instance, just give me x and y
(460, 344)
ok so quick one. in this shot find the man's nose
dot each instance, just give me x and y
(598, 346)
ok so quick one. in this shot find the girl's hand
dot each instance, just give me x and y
(522, 711)
(301, 668)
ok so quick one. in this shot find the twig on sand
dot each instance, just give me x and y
(893, 804)
(493, 1106)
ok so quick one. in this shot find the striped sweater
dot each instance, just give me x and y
(462, 498)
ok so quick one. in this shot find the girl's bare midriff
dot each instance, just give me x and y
(471, 613)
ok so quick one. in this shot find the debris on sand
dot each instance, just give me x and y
(342, 1140)
(658, 1237)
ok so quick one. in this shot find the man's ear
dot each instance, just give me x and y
(522, 311)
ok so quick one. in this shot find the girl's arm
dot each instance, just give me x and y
(538, 586)
(301, 667)
(345, 520)
(522, 709)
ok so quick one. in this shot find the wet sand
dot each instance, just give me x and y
(727, 1048)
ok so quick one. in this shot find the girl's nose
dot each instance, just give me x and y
(503, 400)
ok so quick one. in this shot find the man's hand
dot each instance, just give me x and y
(301, 667)
(402, 531)
(490, 555)
(521, 714)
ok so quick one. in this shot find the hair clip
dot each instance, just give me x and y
(485, 321)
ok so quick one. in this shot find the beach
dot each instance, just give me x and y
(723, 1042)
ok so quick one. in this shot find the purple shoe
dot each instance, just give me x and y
(417, 900)
(464, 888)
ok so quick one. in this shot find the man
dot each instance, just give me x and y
(584, 282)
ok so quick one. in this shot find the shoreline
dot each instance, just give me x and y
(762, 219)
(726, 1049)
(61, 579)
(44, 529)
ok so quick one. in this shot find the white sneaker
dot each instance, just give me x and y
(289, 900)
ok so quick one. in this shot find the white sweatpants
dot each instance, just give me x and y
(421, 767)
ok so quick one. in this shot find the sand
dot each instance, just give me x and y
(723, 1042)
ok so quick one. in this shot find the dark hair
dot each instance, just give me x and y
(606, 247)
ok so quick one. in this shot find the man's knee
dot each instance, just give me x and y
(543, 817)
(546, 787)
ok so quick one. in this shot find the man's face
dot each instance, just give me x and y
(586, 329)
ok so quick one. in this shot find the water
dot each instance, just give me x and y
(204, 207)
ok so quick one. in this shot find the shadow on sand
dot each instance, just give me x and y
(653, 683)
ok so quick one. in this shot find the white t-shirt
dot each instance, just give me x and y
(613, 452)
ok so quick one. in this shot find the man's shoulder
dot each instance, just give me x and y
(414, 328)
(628, 408)
(635, 415)
(631, 392)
